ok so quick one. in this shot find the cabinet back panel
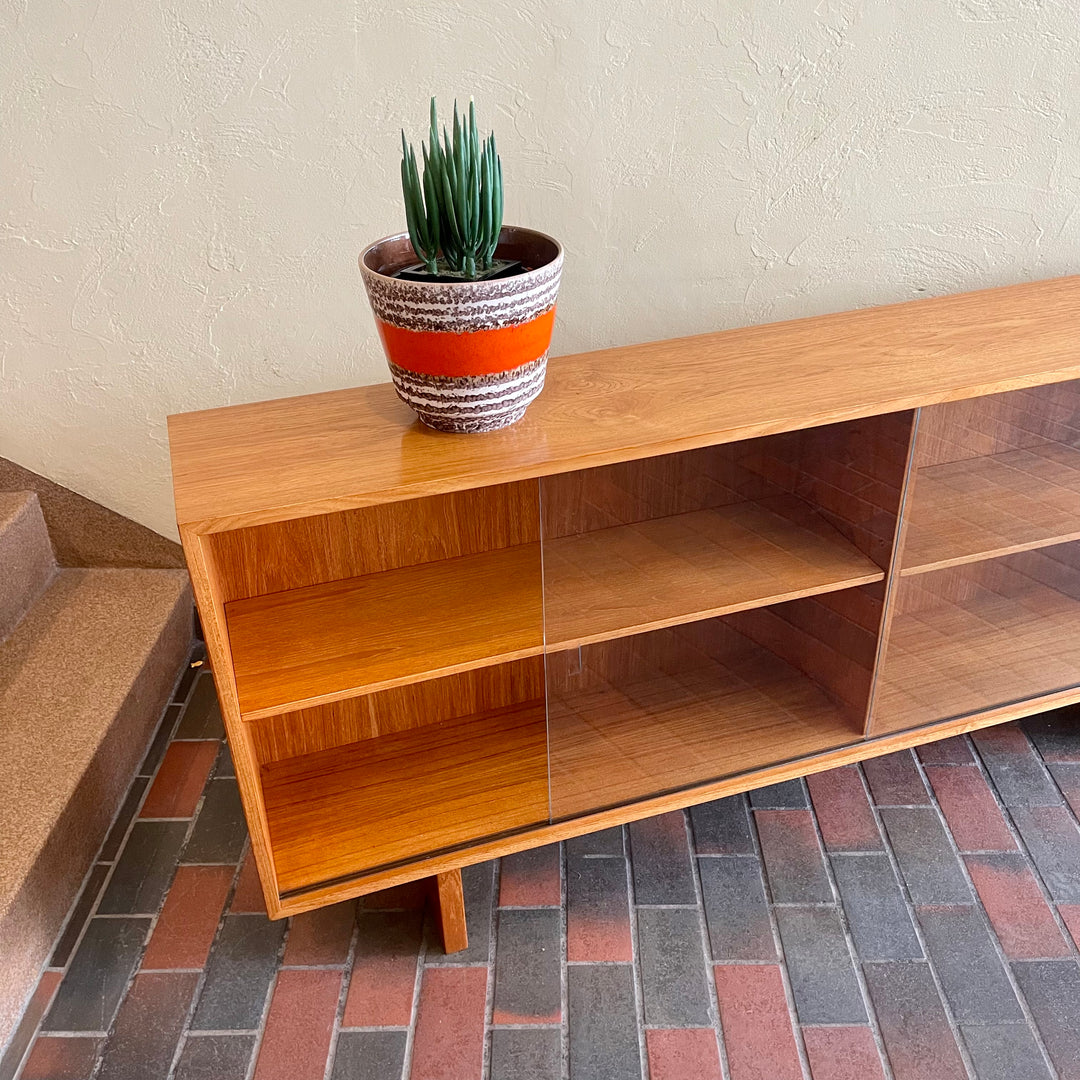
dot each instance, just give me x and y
(1017, 420)
(852, 472)
(286, 555)
(401, 708)
(631, 491)
(832, 639)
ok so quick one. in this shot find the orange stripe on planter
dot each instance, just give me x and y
(476, 352)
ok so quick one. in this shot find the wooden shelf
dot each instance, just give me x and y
(323, 643)
(992, 648)
(344, 811)
(630, 578)
(984, 507)
(619, 742)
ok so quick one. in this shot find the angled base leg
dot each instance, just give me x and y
(450, 906)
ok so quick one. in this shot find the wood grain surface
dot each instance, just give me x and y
(310, 646)
(630, 578)
(387, 800)
(983, 507)
(296, 457)
(639, 716)
(720, 541)
(980, 635)
(450, 906)
(401, 708)
(312, 550)
(791, 767)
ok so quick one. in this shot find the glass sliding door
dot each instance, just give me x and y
(716, 610)
(987, 605)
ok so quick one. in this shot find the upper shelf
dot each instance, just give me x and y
(295, 457)
(323, 643)
(984, 507)
(631, 578)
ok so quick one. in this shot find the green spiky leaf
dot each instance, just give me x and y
(454, 213)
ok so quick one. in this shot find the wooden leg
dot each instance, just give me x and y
(450, 901)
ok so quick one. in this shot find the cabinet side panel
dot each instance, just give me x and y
(853, 474)
(400, 709)
(292, 554)
(210, 585)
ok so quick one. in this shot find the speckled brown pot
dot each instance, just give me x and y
(466, 356)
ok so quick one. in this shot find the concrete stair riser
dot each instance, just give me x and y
(27, 564)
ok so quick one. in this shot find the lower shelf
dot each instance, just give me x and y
(679, 716)
(347, 810)
(990, 635)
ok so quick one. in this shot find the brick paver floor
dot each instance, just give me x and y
(915, 918)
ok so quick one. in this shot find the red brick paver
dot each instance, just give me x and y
(188, 921)
(756, 1023)
(970, 808)
(1021, 918)
(843, 810)
(681, 1053)
(300, 1026)
(1070, 916)
(842, 1053)
(180, 781)
(449, 1041)
(61, 1058)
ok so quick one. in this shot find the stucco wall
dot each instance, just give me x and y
(185, 186)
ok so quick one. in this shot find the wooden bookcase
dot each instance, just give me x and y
(697, 566)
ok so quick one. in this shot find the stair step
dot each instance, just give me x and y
(83, 680)
(26, 556)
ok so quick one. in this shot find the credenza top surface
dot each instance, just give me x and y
(293, 457)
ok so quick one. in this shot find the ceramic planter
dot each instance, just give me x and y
(466, 356)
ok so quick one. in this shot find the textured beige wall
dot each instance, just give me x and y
(185, 186)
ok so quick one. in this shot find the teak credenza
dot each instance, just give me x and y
(695, 567)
